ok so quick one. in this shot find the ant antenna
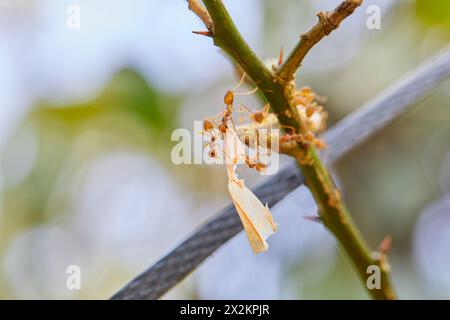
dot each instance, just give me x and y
(246, 93)
(241, 105)
(239, 84)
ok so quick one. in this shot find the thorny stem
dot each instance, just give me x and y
(196, 7)
(333, 212)
(328, 21)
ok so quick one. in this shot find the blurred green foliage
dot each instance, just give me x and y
(434, 12)
(386, 182)
(127, 114)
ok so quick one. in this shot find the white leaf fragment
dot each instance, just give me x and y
(256, 218)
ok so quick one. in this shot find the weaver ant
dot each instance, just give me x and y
(304, 139)
(258, 116)
(223, 122)
(226, 115)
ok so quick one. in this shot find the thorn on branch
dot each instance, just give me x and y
(381, 254)
(385, 245)
(200, 11)
(313, 218)
(280, 58)
(203, 33)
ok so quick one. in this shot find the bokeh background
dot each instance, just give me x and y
(85, 172)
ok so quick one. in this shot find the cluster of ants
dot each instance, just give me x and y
(311, 115)
(224, 122)
(312, 118)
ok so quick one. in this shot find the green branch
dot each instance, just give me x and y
(227, 37)
(333, 212)
(328, 21)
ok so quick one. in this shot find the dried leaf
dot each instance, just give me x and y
(256, 218)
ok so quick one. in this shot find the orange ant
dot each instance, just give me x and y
(226, 118)
(212, 153)
(304, 139)
(208, 128)
(258, 165)
(229, 100)
(208, 125)
(226, 115)
(257, 116)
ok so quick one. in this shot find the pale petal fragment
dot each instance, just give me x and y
(255, 217)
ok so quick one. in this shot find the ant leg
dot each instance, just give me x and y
(243, 108)
(210, 133)
(240, 82)
(246, 93)
(227, 157)
(232, 122)
(214, 119)
(257, 145)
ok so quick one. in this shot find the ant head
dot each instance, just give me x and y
(223, 128)
(309, 111)
(208, 125)
(260, 166)
(258, 116)
(229, 98)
